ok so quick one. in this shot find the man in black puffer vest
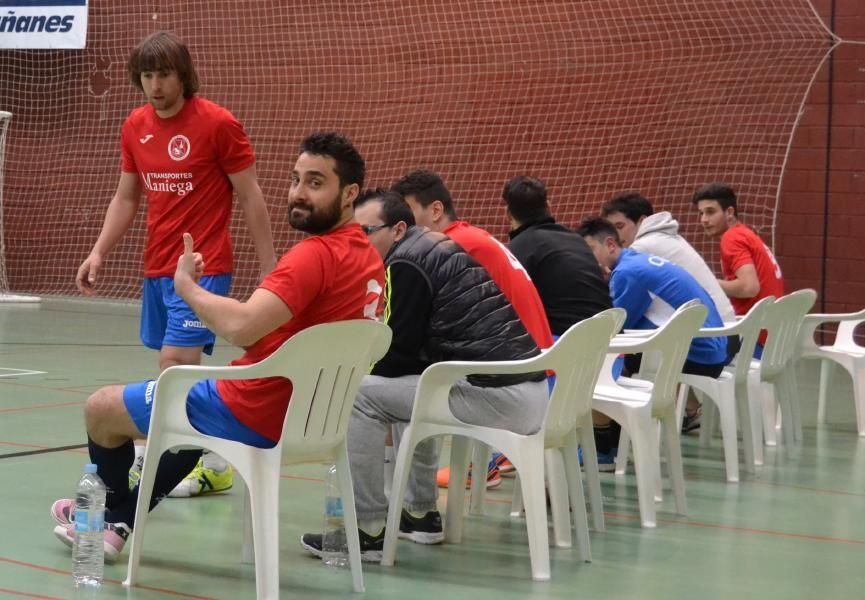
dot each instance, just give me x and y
(441, 305)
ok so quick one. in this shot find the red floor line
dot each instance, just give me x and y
(41, 406)
(148, 588)
(27, 595)
(808, 489)
(40, 447)
(769, 532)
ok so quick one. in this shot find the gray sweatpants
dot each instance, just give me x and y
(382, 401)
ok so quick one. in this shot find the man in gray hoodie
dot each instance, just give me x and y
(642, 229)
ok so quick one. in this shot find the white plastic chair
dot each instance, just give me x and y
(640, 411)
(729, 393)
(586, 441)
(576, 359)
(325, 364)
(773, 377)
(844, 352)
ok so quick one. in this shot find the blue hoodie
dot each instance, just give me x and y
(651, 288)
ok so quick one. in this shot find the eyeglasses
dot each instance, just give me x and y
(370, 229)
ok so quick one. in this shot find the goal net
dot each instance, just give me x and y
(5, 295)
(596, 97)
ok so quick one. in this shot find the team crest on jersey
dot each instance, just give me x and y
(179, 147)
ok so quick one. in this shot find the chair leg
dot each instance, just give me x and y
(586, 434)
(755, 412)
(577, 498)
(710, 417)
(673, 445)
(859, 400)
(517, 500)
(480, 460)
(743, 410)
(397, 494)
(529, 464)
(346, 489)
(795, 401)
(460, 447)
(247, 554)
(784, 397)
(681, 401)
(624, 451)
(152, 454)
(557, 484)
(825, 379)
(767, 397)
(645, 457)
(727, 411)
(263, 485)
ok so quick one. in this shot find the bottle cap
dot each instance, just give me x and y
(89, 468)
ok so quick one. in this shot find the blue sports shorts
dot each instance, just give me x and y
(205, 408)
(166, 320)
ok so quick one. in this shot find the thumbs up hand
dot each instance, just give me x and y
(190, 265)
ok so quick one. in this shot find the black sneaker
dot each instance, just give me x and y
(424, 530)
(692, 422)
(370, 546)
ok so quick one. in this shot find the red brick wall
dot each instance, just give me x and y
(836, 269)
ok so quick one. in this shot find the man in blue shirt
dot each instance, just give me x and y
(650, 289)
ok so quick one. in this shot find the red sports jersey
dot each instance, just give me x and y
(332, 277)
(508, 274)
(183, 163)
(740, 246)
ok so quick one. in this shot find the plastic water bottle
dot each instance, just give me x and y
(88, 556)
(333, 544)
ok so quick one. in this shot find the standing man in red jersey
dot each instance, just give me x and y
(751, 272)
(432, 205)
(188, 156)
(335, 274)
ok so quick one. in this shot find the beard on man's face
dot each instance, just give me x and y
(314, 220)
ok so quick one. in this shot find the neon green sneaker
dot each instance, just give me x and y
(135, 471)
(203, 480)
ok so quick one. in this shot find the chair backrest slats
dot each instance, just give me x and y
(326, 364)
(783, 320)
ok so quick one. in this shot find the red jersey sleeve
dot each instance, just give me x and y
(127, 161)
(736, 250)
(299, 276)
(233, 150)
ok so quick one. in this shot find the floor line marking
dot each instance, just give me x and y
(42, 451)
(769, 532)
(41, 406)
(20, 372)
(28, 595)
(148, 588)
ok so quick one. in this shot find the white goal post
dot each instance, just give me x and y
(5, 296)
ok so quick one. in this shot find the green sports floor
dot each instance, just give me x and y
(794, 530)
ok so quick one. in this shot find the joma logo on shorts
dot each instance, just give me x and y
(196, 324)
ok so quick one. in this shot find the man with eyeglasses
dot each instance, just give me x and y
(433, 207)
(441, 305)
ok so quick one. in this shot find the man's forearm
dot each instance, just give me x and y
(258, 222)
(222, 315)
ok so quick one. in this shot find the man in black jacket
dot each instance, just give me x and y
(569, 280)
(560, 263)
(441, 305)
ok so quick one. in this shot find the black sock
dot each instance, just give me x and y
(607, 437)
(112, 466)
(173, 467)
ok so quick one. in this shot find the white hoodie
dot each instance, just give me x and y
(658, 234)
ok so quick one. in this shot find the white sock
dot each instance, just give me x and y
(212, 460)
(371, 528)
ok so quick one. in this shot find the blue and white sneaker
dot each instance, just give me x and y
(606, 460)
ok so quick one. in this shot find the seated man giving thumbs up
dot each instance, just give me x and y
(334, 274)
